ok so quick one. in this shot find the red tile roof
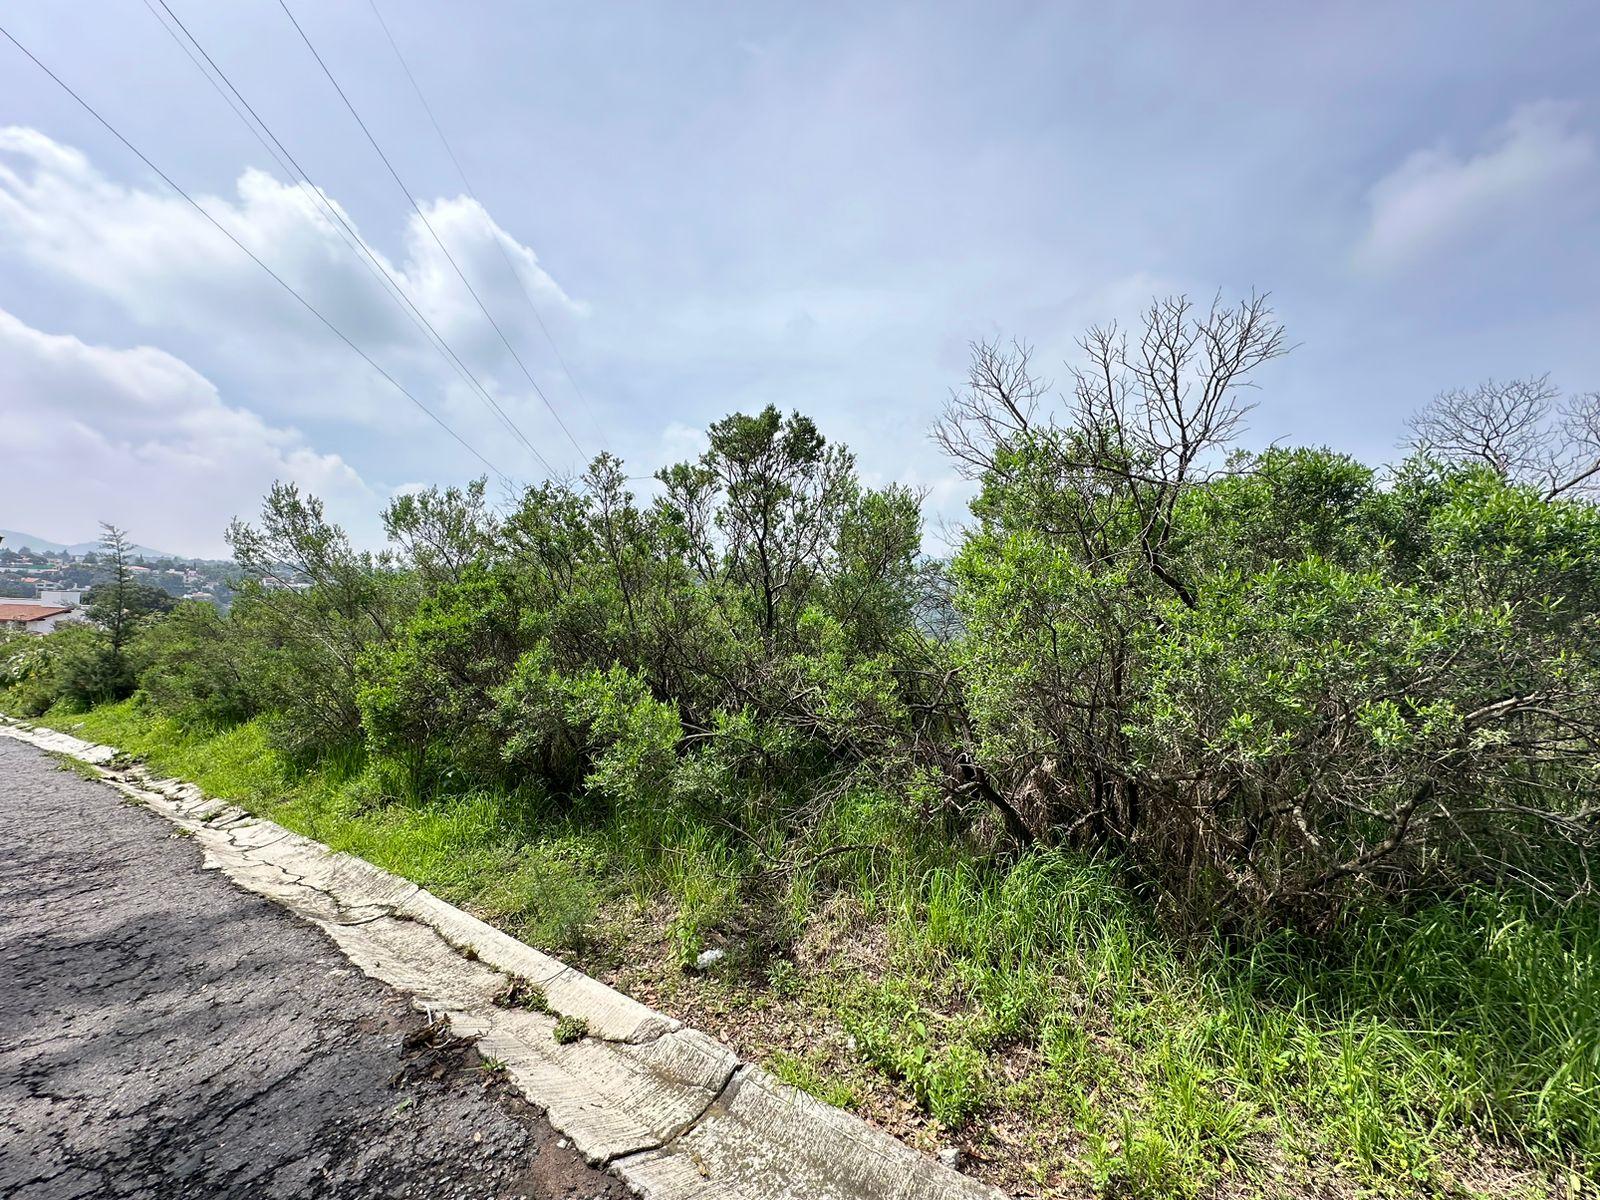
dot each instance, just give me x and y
(29, 612)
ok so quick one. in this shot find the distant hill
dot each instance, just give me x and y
(27, 541)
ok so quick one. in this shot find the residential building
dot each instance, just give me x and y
(33, 618)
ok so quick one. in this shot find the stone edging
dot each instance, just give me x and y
(671, 1111)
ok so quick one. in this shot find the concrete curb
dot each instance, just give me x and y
(671, 1111)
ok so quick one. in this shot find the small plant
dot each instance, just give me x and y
(494, 1066)
(570, 1029)
(783, 977)
(814, 1078)
(947, 1077)
(520, 993)
(65, 762)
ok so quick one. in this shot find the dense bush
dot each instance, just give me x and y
(193, 666)
(75, 666)
(1274, 685)
(1280, 683)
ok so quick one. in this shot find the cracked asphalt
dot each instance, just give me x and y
(165, 1034)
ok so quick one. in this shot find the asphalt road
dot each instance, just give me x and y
(165, 1034)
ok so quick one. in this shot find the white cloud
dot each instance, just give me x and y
(139, 437)
(168, 268)
(1437, 198)
(682, 443)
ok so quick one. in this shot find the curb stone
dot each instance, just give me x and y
(670, 1110)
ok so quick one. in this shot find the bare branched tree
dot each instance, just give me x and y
(997, 408)
(1146, 419)
(1521, 428)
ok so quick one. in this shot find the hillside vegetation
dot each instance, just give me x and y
(1209, 823)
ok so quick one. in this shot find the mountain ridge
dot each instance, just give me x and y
(13, 539)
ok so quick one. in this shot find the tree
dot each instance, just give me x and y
(441, 532)
(1078, 545)
(112, 608)
(1522, 429)
(1270, 684)
(312, 605)
(135, 601)
(760, 512)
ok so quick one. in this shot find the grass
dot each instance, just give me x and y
(1032, 1013)
(813, 1077)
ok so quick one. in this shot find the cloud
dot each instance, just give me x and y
(139, 437)
(1437, 199)
(168, 268)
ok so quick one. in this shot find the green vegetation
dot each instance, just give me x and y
(519, 993)
(1209, 824)
(570, 1029)
(83, 770)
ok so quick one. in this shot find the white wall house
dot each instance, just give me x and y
(32, 617)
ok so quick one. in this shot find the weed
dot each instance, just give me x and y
(946, 1073)
(570, 1029)
(66, 762)
(520, 993)
(550, 895)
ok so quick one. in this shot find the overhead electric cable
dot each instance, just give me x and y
(511, 267)
(278, 279)
(342, 226)
(417, 208)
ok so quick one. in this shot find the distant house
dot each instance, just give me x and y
(68, 597)
(32, 618)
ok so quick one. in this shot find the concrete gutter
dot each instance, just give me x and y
(673, 1112)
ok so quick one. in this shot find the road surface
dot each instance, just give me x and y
(165, 1034)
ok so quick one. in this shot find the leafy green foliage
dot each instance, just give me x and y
(75, 666)
(191, 666)
(1280, 685)
(135, 603)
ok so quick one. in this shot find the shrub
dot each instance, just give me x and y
(1274, 686)
(192, 666)
(75, 666)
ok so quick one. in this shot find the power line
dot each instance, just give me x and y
(351, 237)
(417, 208)
(504, 257)
(278, 279)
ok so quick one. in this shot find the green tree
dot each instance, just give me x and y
(1276, 684)
(112, 608)
(123, 608)
(311, 605)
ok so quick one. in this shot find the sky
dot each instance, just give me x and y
(677, 211)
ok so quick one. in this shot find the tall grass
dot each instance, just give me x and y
(1390, 1051)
